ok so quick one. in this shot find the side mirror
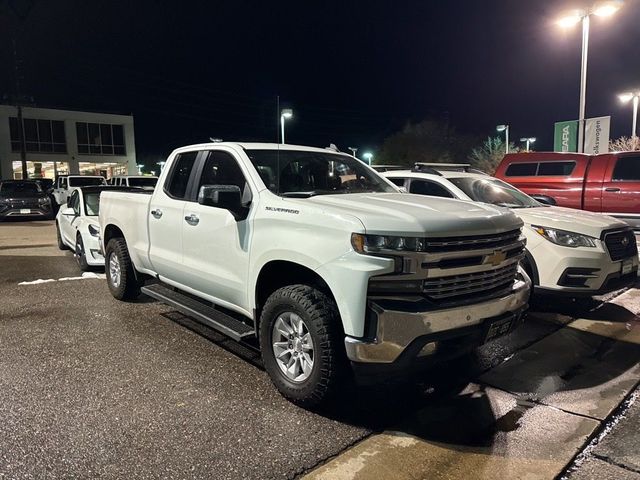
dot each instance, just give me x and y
(69, 212)
(403, 189)
(545, 199)
(228, 197)
(68, 202)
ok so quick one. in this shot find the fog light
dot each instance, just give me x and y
(429, 349)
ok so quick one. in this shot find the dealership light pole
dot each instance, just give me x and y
(529, 141)
(353, 151)
(505, 129)
(625, 98)
(285, 114)
(367, 156)
(573, 18)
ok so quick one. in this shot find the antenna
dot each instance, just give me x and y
(278, 145)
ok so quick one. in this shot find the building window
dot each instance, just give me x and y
(100, 139)
(41, 136)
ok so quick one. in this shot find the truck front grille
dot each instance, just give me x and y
(469, 287)
(621, 244)
(475, 242)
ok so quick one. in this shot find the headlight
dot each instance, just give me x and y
(383, 243)
(564, 238)
(94, 231)
(44, 200)
(4, 201)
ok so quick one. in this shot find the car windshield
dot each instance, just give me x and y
(493, 191)
(7, 188)
(92, 203)
(85, 181)
(143, 182)
(293, 173)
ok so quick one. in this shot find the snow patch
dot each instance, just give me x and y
(85, 275)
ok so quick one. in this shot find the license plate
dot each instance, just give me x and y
(498, 328)
(627, 266)
(25, 210)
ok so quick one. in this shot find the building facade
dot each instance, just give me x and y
(60, 142)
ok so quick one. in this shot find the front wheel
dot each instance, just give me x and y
(301, 343)
(80, 254)
(121, 276)
(61, 244)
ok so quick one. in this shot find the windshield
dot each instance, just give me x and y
(292, 173)
(92, 203)
(493, 191)
(7, 188)
(86, 181)
(143, 182)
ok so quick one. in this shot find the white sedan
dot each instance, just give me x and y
(77, 225)
(569, 251)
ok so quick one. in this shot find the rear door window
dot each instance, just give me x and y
(627, 169)
(178, 181)
(400, 182)
(522, 170)
(425, 187)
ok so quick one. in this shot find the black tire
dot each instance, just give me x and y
(128, 287)
(322, 320)
(80, 254)
(61, 244)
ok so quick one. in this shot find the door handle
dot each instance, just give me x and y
(157, 213)
(612, 189)
(192, 219)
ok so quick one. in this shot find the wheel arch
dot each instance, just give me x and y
(530, 266)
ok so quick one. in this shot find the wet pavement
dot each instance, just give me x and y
(95, 388)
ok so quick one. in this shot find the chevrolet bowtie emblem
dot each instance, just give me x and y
(496, 258)
(624, 241)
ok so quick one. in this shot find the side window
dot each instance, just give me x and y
(177, 182)
(562, 169)
(75, 202)
(627, 168)
(425, 187)
(399, 182)
(63, 182)
(221, 168)
(521, 170)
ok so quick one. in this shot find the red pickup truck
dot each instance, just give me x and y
(607, 183)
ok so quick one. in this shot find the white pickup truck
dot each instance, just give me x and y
(318, 261)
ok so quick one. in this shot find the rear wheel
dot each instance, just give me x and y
(61, 244)
(301, 343)
(121, 276)
(80, 254)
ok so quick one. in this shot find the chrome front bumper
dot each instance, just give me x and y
(396, 329)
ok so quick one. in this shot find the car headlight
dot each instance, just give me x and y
(565, 238)
(385, 243)
(4, 201)
(44, 201)
(94, 231)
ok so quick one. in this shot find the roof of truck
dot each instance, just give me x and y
(260, 146)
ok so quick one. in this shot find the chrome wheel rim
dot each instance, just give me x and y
(293, 347)
(114, 270)
(79, 250)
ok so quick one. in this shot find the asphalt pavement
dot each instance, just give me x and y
(95, 388)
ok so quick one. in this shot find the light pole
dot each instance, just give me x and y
(529, 141)
(635, 96)
(367, 156)
(139, 168)
(353, 150)
(285, 114)
(161, 164)
(601, 10)
(505, 129)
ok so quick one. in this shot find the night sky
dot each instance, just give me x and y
(353, 72)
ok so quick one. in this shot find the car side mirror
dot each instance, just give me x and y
(69, 212)
(545, 199)
(403, 189)
(228, 197)
(68, 202)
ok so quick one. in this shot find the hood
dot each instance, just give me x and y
(579, 221)
(412, 215)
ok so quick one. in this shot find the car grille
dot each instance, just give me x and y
(471, 287)
(26, 203)
(475, 242)
(621, 244)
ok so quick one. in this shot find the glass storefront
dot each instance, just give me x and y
(51, 169)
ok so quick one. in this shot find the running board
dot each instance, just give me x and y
(205, 314)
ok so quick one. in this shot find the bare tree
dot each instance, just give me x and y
(488, 156)
(624, 144)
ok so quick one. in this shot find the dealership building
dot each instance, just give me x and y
(60, 142)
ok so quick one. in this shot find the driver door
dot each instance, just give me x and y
(69, 222)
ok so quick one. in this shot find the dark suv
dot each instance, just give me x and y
(24, 198)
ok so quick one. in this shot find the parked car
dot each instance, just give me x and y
(66, 184)
(77, 226)
(24, 198)
(608, 183)
(142, 181)
(314, 256)
(569, 251)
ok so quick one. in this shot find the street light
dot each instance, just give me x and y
(367, 156)
(625, 98)
(605, 9)
(353, 150)
(505, 129)
(529, 141)
(139, 168)
(162, 163)
(285, 114)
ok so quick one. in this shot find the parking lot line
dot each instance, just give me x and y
(481, 433)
